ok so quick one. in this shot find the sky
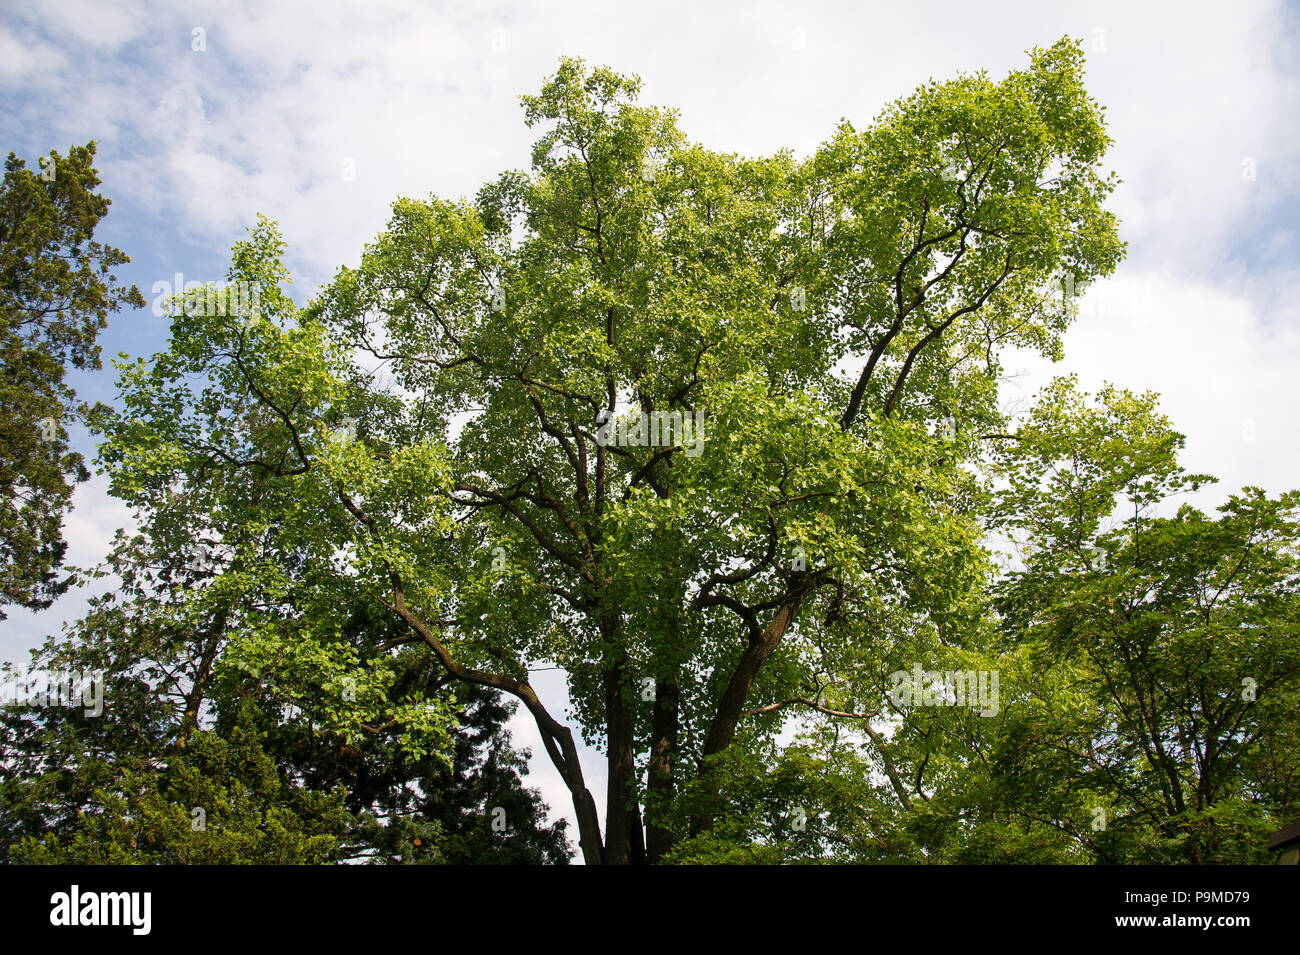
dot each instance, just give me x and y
(321, 115)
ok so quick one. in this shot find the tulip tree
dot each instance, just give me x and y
(703, 431)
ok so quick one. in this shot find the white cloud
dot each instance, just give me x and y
(104, 24)
(26, 62)
(1223, 362)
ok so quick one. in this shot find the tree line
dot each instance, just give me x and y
(365, 523)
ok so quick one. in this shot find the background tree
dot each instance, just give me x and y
(57, 290)
(221, 801)
(1162, 695)
(189, 724)
(1147, 656)
(465, 806)
(471, 810)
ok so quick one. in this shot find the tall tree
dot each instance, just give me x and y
(1162, 696)
(57, 290)
(603, 424)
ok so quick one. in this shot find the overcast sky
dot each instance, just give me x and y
(320, 115)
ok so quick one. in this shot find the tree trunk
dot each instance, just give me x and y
(722, 729)
(663, 747)
(622, 764)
